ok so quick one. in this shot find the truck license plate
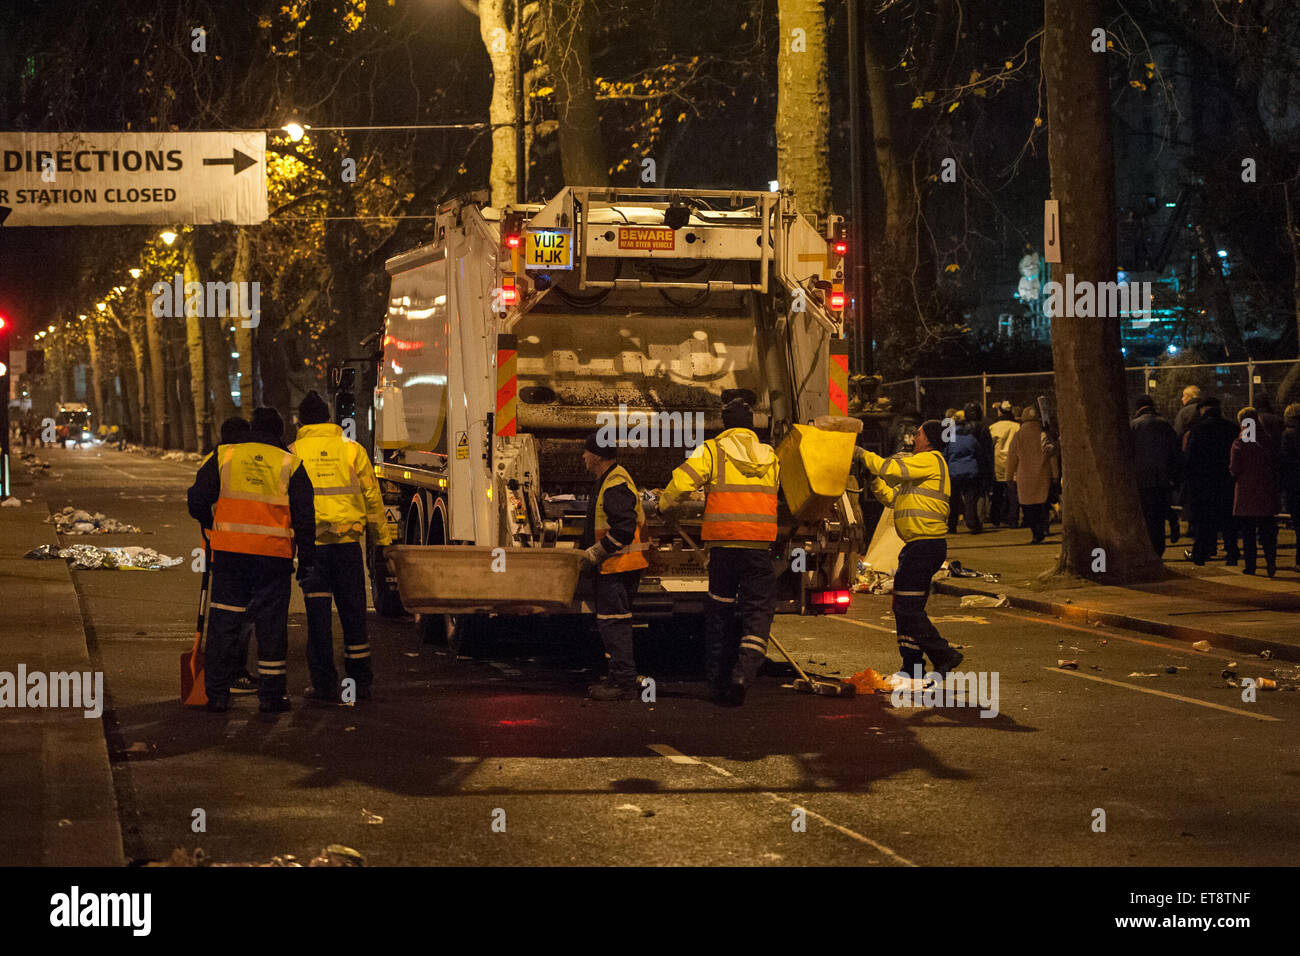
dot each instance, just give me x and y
(549, 249)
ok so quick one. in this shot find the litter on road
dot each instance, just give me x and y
(74, 521)
(985, 600)
(88, 557)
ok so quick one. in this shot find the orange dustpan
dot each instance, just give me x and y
(194, 691)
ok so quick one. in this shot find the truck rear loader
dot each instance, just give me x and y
(519, 331)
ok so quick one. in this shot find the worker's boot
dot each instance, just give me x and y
(946, 662)
(610, 690)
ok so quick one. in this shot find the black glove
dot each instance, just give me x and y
(306, 573)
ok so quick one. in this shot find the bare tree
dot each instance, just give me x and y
(1103, 536)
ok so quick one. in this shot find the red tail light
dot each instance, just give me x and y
(837, 299)
(840, 248)
(830, 602)
(513, 241)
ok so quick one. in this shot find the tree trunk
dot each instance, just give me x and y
(99, 407)
(194, 348)
(582, 152)
(803, 108)
(242, 272)
(1102, 523)
(131, 380)
(1288, 390)
(501, 44)
(158, 404)
(889, 167)
(179, 385)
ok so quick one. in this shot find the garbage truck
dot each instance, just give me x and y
(519, 331)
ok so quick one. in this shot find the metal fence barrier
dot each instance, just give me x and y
(1236, 384)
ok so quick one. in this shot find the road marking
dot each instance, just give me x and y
(677, 756)
(1162, 693)
(849, 620)
(1108, 632)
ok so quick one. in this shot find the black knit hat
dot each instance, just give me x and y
(597, 446)
(313, 410)
(737, 414)
(1146, 401)
(234, 430)
(933, 433)
(267, 423)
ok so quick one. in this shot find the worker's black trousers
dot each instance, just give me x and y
(738, 618)
(614, 594)
(247, 588)
(917, 564)
(338, 573)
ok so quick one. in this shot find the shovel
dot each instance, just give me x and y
(806, 684)
(194, 691)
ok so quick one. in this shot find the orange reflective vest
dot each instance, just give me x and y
(631, 558)
(739, 507)
(252, 513)
(741, 477)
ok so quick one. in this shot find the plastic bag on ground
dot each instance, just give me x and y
(985, 600)
(869, 681)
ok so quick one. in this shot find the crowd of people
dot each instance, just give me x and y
(1229, 478)
(1004, 473)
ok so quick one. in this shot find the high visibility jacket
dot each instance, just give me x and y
(347, 494)
(917, 487)
(627, 557)
(740, 476)
(252, 512)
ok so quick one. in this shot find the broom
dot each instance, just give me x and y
(193, 689)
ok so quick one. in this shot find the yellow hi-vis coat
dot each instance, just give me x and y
(917, 487)
(740, 476)
(630, 557)
(347, 493)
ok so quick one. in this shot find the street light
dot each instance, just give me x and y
(167, 237)
(295, 131)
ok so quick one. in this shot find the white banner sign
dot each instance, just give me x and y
(116, 179)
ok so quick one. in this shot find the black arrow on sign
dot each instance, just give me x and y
(238, 160)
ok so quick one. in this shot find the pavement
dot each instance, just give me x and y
(61, 803)
(496, 757)
(1244, 614)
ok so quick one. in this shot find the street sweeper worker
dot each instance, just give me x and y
(740, 477)
(347, 503)
(612, 539)
(918, 488)
(257, 499)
